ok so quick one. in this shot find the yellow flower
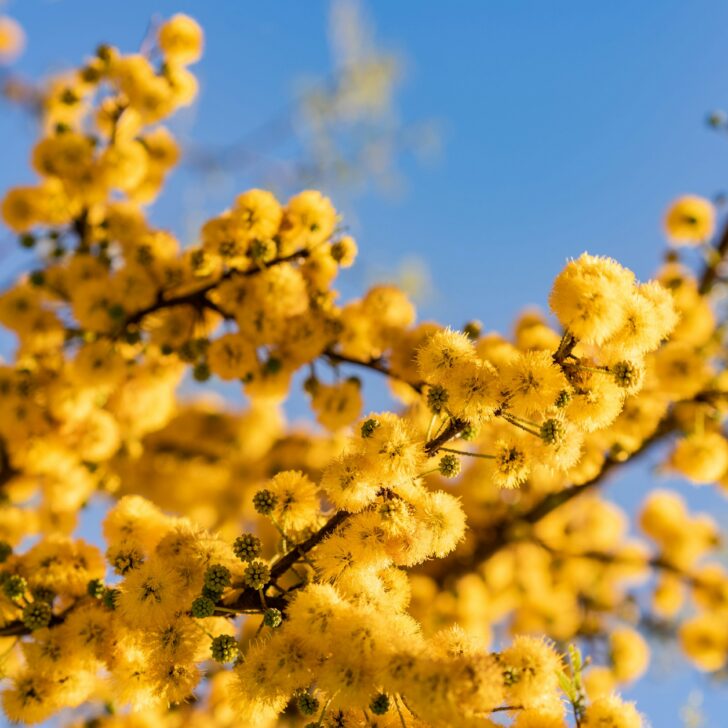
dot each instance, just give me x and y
(349, 482)
(309, 219)
(231, 357)
(150, 595)
(530, 667)
(704, 639)
(611, 712)
(32, 698)
(690, 220)
(588, 297)
(533, 382)
(297, 500)
(258, 214)
(20, 208)
(512, 464)
(629, 654)
(337, 405)
(181, 39)
(701, 458)
(12, 39)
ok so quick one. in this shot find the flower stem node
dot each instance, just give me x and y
(224, 648)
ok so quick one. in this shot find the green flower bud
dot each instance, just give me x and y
(437, 397)
(272, 618)
(37, 615)
(37, 278)
(473, 329)
(449, 466)
(626, 374)
(563, 398)
(256, 574)
(203, 607)
(95, 588)
(217, 578)
(224, 648)
(201, 372)
(552, 431)
(14, 586)
(247, 547)
(109, 598)
(469, 432)
(265, 501)
(262, 251)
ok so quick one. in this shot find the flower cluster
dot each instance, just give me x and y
(355, 573)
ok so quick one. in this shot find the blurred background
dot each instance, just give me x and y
(472, 147)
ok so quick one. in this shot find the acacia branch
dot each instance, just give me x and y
(501, 534)
(375, 365)
(198, 297)
(719, 253)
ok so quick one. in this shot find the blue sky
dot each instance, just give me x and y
(566, 126)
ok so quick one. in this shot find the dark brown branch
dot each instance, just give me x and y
(250, 598)
(454, 428)
(710, 274)
(376, 365)
(18, 628)
(285, 562)
(500, 534)
(198, 297)
(249, 601)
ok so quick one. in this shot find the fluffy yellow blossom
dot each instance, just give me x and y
(355, 573)
(181, 39)
(690, 220)
(701, 457)
(296, 504)
(629, 654)
(588, 297)
(611, 712)
(705, 641)
(12, 39)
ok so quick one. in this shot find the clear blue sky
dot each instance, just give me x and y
(568, 126)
